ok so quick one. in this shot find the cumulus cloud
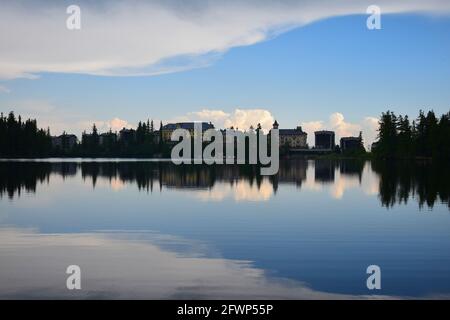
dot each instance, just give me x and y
(343, 128)
(153, 37)
(114, 124)
(239, 118)
(117, 124)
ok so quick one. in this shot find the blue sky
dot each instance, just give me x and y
(302, 76)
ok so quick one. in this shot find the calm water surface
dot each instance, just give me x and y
(141, 229)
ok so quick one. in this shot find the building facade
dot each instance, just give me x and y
(351, 144)
(292, 138)
(127, 135)
(324, 140)
(107, 138)
(65, 141)
(166, 131)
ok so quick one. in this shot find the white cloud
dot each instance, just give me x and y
(146, 38)
(342, 128)
(239, 118)
(310, 127)
(370, 127)
(115, 124)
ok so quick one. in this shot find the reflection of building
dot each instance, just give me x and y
(324, 139)
(65, 169)
(324, 171)
(190, 126)
(65, 141)
(292, 171)
(293, 138)
(351, 143)
(352, 168)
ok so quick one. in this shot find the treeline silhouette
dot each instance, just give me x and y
(144, 141)
(427, 136)
(23, 138)
(425, 181)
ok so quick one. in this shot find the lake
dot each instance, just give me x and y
(152, 230)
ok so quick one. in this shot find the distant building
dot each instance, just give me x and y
(351, 144)
(292, 138)
(171, 127)
(65, 141)
(324, 140)
(127, 135)
(156, 136)
(107, 138)
(324, 171)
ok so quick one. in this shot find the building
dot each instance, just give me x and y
(292, 138)
(351, 144)
(127, 135)
(65, 141)
(107, 138)
(190, 126)
(324, 140)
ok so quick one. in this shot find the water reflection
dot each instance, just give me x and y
(163, 267)
(223, 231)
(394, 182)
(426, 182)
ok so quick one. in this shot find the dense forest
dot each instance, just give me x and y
(23, 138)
(425, 137)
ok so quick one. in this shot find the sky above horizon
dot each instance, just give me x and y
(235, 63)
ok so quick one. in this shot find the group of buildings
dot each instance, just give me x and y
(292, 139)
(325, 140)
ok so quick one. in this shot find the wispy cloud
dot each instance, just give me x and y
(152, 37)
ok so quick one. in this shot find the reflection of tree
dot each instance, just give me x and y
(401, 180)
(18, 176)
